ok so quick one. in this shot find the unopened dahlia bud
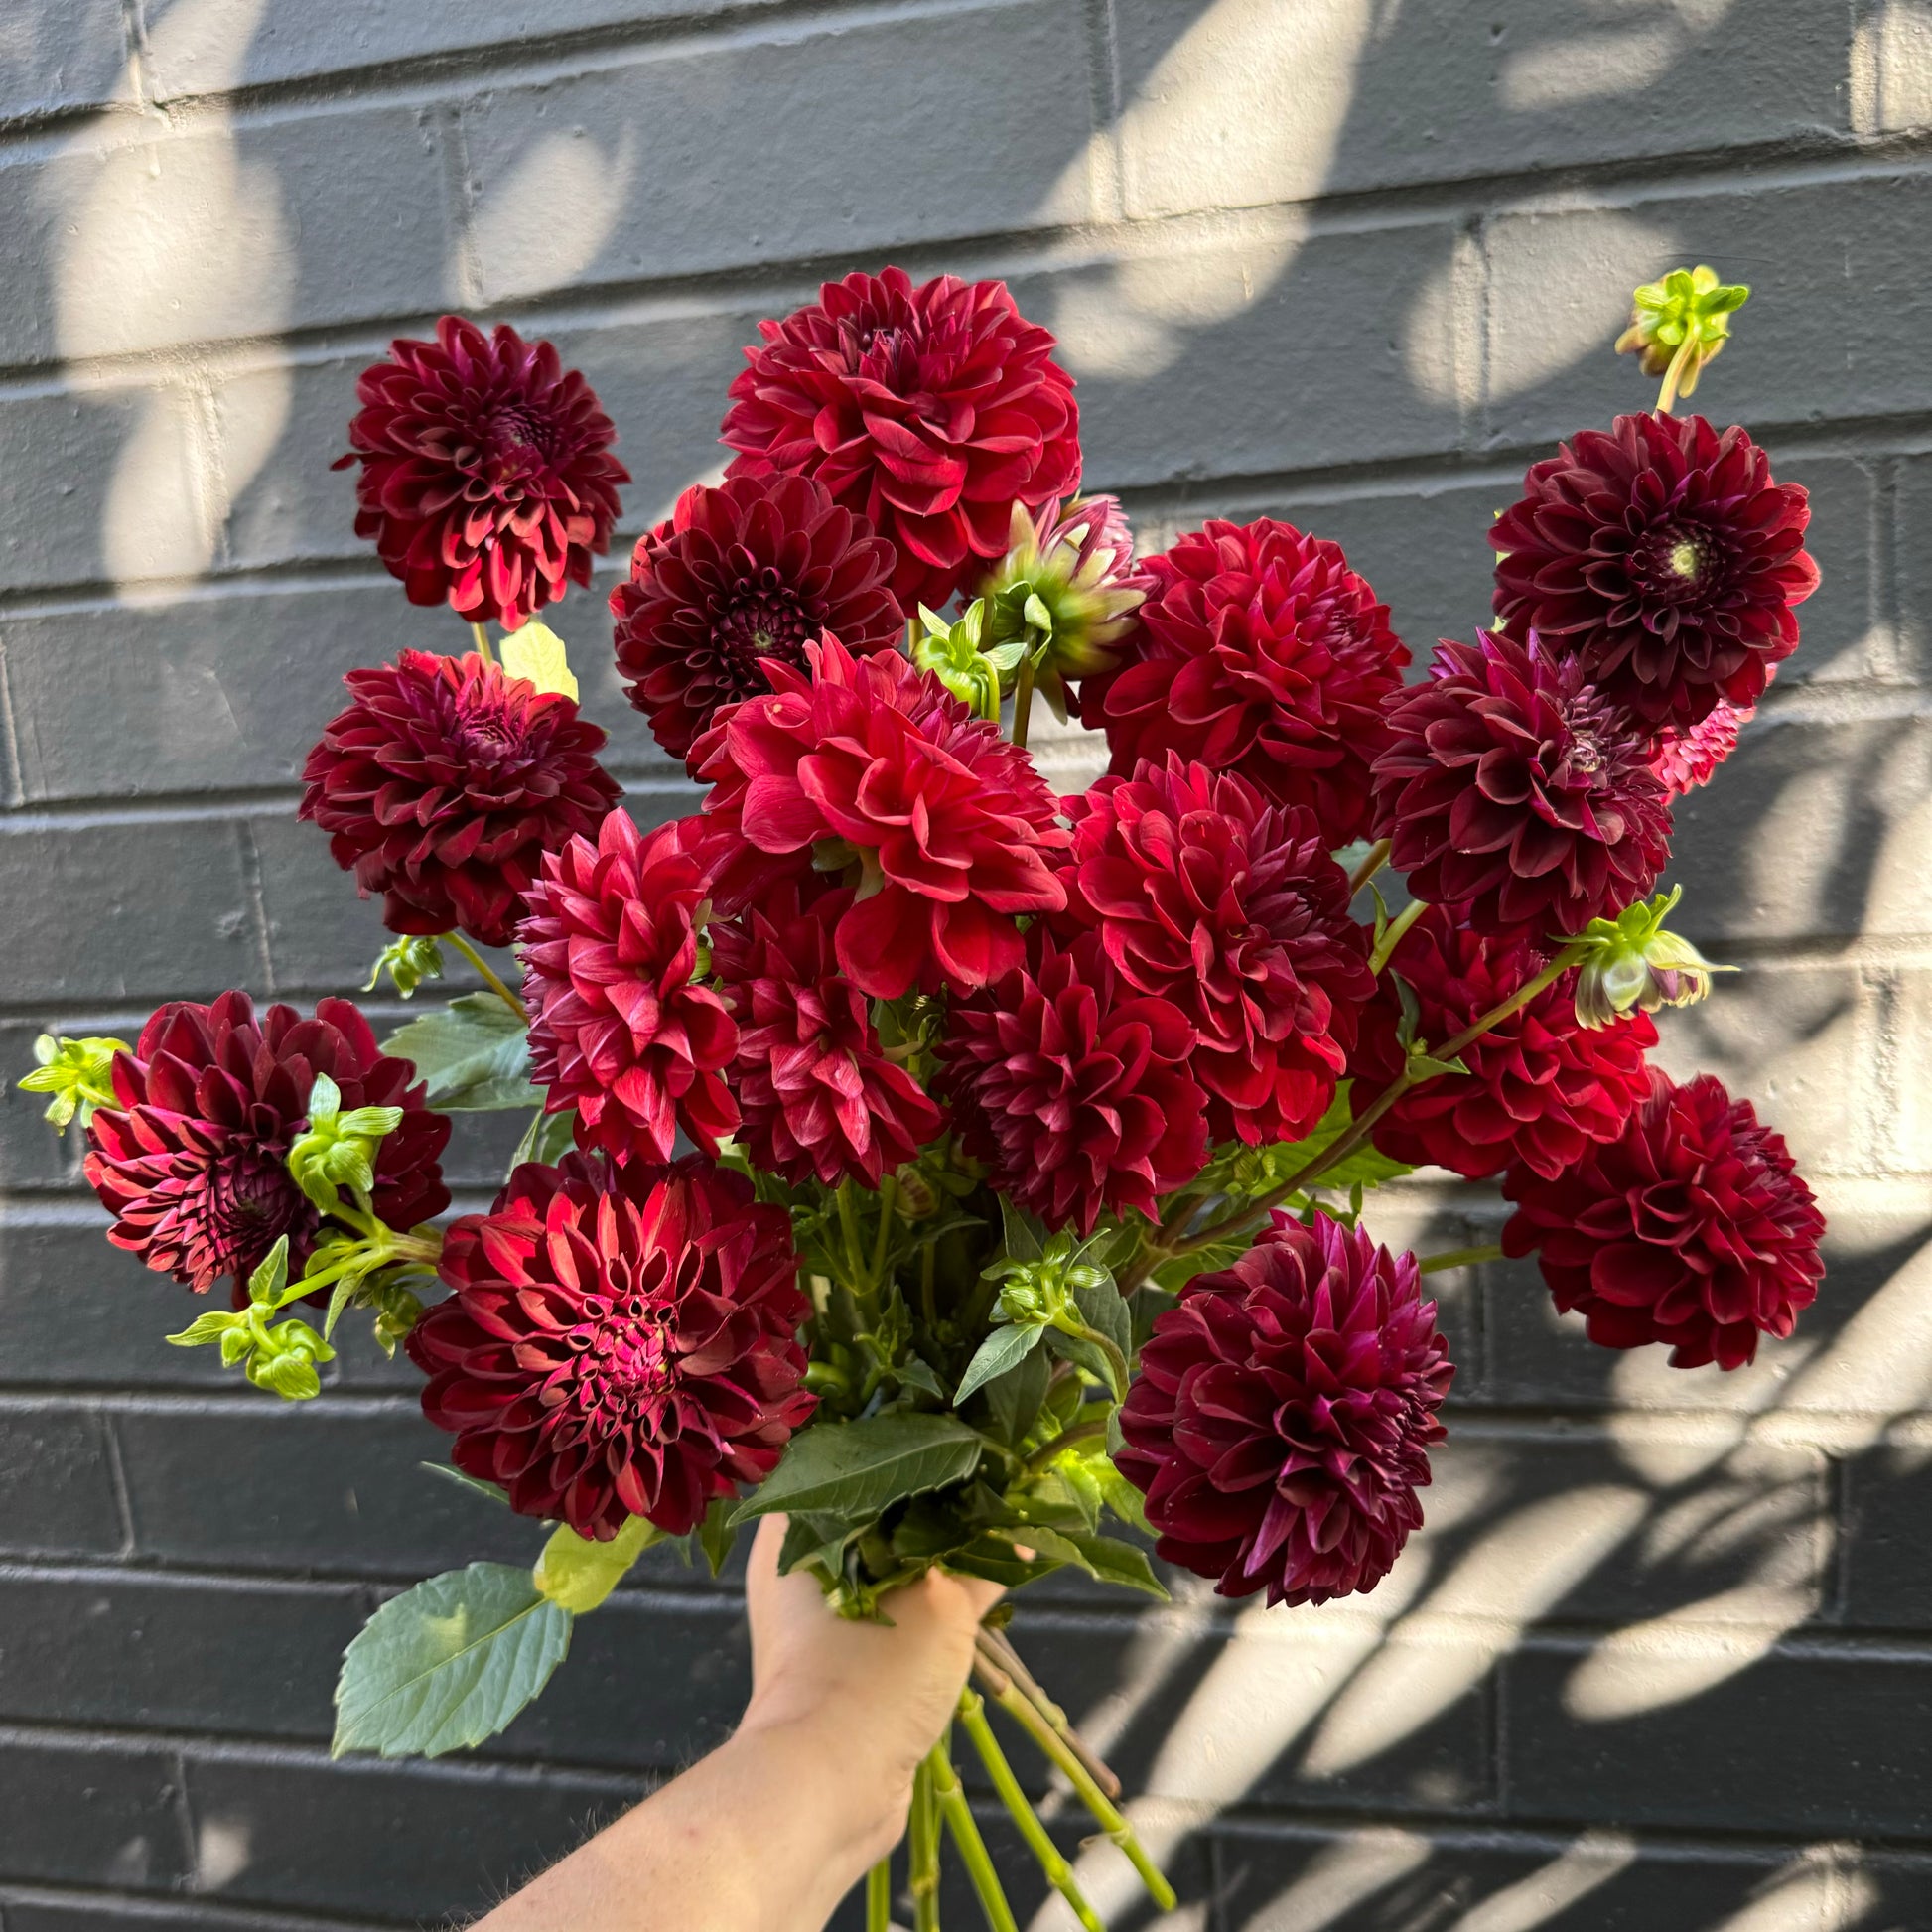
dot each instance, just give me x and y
(77, 1073)
(1680, 323)
(1040, 1292)
(952, 653)
(339, 1149)
(408, 961)
(1631, 963)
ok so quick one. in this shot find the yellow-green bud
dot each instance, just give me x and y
(1679, 324)
(952, 653)
(339, 1149)
(409, 962)
(1630, 964)
(77, 1073)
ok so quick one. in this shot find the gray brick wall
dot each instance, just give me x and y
(1662, 1658)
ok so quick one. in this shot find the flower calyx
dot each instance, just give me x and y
(953, 654)
(281, 1356)
(1631, 963)
(78, 1074)
(408, 961)
(1678, 324)
(339, 1149)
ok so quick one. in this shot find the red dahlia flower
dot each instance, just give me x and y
(1260, 652)
(620, 1028)
(1280, 1423)
(753, 570)
(487, 478)
(1539, 1088)
(1204, 893)
(817, 1093)
(1518, 795)
(1685, 760)
(950, 823)
(930, 411)
(443, 786)
(1693, 1228)
(191, 1159)
(617, 1342)
(1073, 1089)
(1660, 554)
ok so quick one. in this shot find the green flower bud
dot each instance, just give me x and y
(339, 1149)
(409, 962)
(279, 1356)
(1631, 963)
(952, 653)
(1681, 323)
(1041, 1294)
(79, 1073)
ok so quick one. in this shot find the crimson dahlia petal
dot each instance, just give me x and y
(752, 570)
(487, 480)
(1685, 760)
(1662, 556)
(1281, 1421)
(443, 786)
(1517, 795)
(1693, 1228)
(1261, 652)
(617, 1342)
(191, 1159)
(930, 411)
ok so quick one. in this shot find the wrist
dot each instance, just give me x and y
(833, 1761)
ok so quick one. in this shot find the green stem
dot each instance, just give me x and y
(928, 1270)
(966, 1838)
(849, 1226)
(1459, 1258)
(995, 1649)
(1378, 857)
(887, 1194)
(481, 632)
(1048, 1453)
(1022, 697)
(879, 1896)
(487, 974)
(1392, 935)
(923, 1850)
(1681, 360)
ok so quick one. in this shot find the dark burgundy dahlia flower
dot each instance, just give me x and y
(487, 481)
(1204, 893)
(443, 786)
(752, 570)
(617, 1342)
(1517, 795)
(930, 411)
(1281, 1421)
(1541, 1088)
(1073, 1088)
(191, 1161)
(1260, 652)
(1694, 1228)
(620, 1028)
(1661, 554)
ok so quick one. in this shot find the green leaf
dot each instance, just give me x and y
(580, 1573)
(325, 1100)
(715, 1534)
(1110, 1561)
(211, 1326)
(266, 1284)
(817, 1540)
(545, 1139)
(1025, 1237)
(462, 1481)
(1014, 1399)
(1005, 1347)
(535, 652)
(446, 1664)
(473, 1054)
(853, 1470)
(1104, 1311)
(916, 1372)
(994, 1558)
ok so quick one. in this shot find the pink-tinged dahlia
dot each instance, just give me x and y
(1281, 1421)
(1517, 794)
(620, 1028)
(1661, 555)
(191, 1159)
(868, 761)
(930, 411)
(487, 481)
(618, 1341)
(1541, 1088)
(443, 786)
(1073, 1088)
(1261, 652)
(755, 569)
(817, 1094)
(1685, 760)
(1694, 1228)
(1205, 893)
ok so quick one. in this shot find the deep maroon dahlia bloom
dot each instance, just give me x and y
(817, 1094)
(1205, 893)
(191, 1159)
(1073, 1088)
(443, 786)
(1694, 1228)
(1260, 652)
(617, 1342)
(1517, 795)
(619, 1030)
(1539, 1088)
(752, 570)
(1661, 555)
(1281, 1421)
(930, 411)
(868, 761)
(487, 481)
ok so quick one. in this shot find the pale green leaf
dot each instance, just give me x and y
(580, 1573)
(535, 652)
(1005, 1347)
(853, 1470)
(473, 1054)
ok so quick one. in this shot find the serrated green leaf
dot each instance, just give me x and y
(1110, 1561)
(994, 1558)
(462, 1481)
(1104, 1311)
(1014, 1399)
(1005, 1349)
(916, 1372)
(579, 1573)
(211, 1326)
(536, 653)
(853, 1470)
(474, 1052)
(446, 1664)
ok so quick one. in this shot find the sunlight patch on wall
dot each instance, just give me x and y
(547, 221)
(1341, 1877)
(1577, 1870)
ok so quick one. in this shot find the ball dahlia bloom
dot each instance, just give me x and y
(191, 1157)
(1279, 1424)
(1541, 1088)
(443, 783)
(930, 411)
(617, 1342)
(1205, 893)
(815, 1091)
(1515, 793)
(1694, 1228)
(1258, 651)
(1661, 554)
(868, 759)
(752, 570)
(1073, 1088)
(1685, 760)
(487, 481)
(620, 1028)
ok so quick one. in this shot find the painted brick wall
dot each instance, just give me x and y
(1663, 1658)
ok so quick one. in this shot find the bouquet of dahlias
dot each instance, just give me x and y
(974, 1174)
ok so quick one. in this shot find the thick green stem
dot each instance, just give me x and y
(1673, 375)
(1048, 1453)
(1392, 937)
(996, 1652)
(966, 1838)
(1378, 857)
(887, 1194)
(1022, 697)
(849, 1226)
(487, 973)
(879, 1897)
(481, 632)
(1459, 1258)
(923, 1850)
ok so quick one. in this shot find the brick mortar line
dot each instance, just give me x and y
(198, 1910)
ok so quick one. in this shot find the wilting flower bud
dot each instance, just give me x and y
(952, 653)
(409, 961)
(1631, 962)
(1684, 320)
(339, 1149)
(79, 1073)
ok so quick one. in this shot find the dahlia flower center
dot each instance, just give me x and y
(762, 620)
(515, 428)
(626, 1362)
(890, 356)
(251, 1203)
(1676, 562)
